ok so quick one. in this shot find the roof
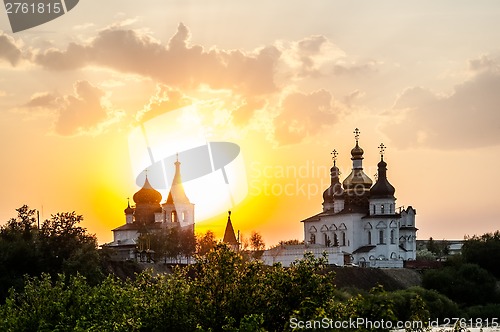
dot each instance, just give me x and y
(177, 194)
(229, 236)
(135, 226)
(318, 216)
(409, 228)
(363, 249)
(378, 216)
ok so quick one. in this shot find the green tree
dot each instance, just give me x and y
(484, 251)
(467, 284)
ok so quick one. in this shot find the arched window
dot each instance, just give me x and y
(313, 239)
(382, 208)
(343, 239)
(183, 216)
(173, 216)
(381, 237)
(335, 240)
(327, 240)
(369, 237)
(393, 240)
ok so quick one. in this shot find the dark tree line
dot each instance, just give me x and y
(59, 246)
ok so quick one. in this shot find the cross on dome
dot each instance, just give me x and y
(356, 134)
(334, 154)
(382, 148)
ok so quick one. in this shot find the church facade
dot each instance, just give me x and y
(150, 215)
(360, 220)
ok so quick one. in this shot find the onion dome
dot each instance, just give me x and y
(357, 180)
(335, 190)
(147, 194)
(129, 210)
(382, 188)
(357, 151)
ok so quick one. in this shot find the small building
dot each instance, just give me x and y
(150, 215)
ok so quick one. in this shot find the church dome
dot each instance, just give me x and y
(382, 187)
(129, 210)
(357, 152)
(147, 194)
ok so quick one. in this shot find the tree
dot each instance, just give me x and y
(256, 241)
(187, 242)
(19, 254)
(483, 250)
(67, 247)
(205, 243)
(466, 284)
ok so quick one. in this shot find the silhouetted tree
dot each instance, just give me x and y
(205, 242)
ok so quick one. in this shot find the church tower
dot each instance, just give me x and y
(333, 199)
(382, 200)
(178, 210)
(357, 184)
(382, 208)
(229, 236)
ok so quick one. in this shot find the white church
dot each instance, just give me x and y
(150, 215)
(360, 223)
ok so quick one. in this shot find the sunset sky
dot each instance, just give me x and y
(287, 81)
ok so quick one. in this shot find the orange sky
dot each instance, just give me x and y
(286, 82)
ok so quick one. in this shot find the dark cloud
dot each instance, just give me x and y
(9, 51)
(177, 64)
(467, 118)
(303, 115)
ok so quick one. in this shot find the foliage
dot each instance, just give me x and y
(68, 248)
(425, 255)
(256, 241)
(437, 305)
(205, 243)
(467, 284)
(221, 292)
(484, 251)
(59, 246)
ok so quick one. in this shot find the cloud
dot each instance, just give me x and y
(466, 118)
(246, 109)
(42, 100)
(177, 64)
(484, 62)
(165, 99)
(9, 51)
(302, 115)
(82, 113)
